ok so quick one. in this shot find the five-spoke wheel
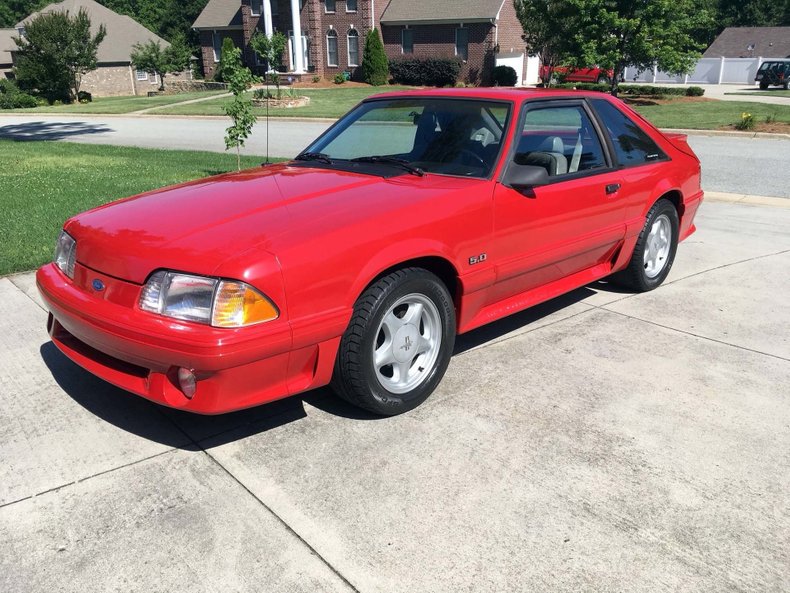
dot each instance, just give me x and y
(398, 344)
(655, 249)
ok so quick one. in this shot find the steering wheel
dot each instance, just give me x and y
(472, 156)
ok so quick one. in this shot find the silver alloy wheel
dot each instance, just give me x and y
(407, 344)
(657, 246)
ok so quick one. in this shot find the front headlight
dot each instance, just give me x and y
(66, 254)
(221, 303)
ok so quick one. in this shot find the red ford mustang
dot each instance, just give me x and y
(416, 217)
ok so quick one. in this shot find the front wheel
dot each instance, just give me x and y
(398, 345)
(655, 249)
(763, 86)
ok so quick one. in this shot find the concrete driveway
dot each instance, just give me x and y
(601, 442)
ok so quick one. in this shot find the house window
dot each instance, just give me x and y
(351, 5)
(152, 77)
(142, 75)
(407, 41)
(353, 48)
(331, 48)
(275, 8)
(256, 7)
(330, 5)
(216, 41)
(462, 43)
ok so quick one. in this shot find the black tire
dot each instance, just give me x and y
(763, 86)
(356, 378)
(787, 84)
(635, 276)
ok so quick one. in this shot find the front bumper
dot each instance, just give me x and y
(141, 352)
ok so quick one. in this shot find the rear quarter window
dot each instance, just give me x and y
(632, 145)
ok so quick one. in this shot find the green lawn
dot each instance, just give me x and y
(776, 92)
(331, 103)
(710, 115)
(44, 183)
(114, 105)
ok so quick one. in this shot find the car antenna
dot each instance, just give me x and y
(266, 77)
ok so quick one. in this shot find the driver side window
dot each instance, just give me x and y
(560, 139)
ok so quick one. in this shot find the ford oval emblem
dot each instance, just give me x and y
(98, 285)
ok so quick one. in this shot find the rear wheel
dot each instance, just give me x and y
(655, 249)
(763, 85)
(398, 345)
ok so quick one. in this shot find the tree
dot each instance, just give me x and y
(271, 49)
(375, 68)
(150, 57)
(549, 28)
(13, 11)
(754, 13)
(238, 78)
(56, 52)
(224, 56)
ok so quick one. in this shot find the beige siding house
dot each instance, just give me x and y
(115, 74)
(6, 46)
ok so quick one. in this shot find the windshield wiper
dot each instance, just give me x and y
(390, 160)
(314, 156)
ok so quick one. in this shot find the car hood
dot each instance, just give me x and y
(197, 226)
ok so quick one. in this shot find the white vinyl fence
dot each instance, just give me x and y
(707, 71)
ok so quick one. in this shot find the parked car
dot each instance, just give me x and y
(417, 216)
(774, 73)
(569, 74)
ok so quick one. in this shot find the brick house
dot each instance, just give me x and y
(115, 74)
(331, 33)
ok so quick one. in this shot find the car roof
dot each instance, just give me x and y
(517, 95)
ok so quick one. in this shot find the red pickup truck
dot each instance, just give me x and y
(569, 74)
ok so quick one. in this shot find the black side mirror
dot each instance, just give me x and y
(521, 177)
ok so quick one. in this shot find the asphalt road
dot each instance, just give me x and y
(741, 165)
(603, 441)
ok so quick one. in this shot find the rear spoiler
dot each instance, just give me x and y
(680, 141)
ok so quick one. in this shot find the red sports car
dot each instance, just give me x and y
(417, 216)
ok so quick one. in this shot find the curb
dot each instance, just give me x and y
(718, 196)
(690, 132)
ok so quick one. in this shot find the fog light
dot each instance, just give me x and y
(187, 382)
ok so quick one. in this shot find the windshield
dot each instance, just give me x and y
(446, 136)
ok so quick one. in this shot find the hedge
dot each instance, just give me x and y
(425, 71)
(644, 90)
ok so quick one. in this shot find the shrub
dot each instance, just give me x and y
(504, 76)
(12, 98)
(584, 86)
(227, 47)
(84, 97)
(426, 71)
(695, 91)
(374, 60)
(316, 79)
(340, 78)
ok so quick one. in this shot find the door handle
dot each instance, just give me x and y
(612, 188)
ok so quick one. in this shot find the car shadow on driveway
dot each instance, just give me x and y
(139, 416)
(44, 130)
(188, 431)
